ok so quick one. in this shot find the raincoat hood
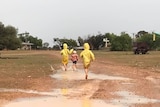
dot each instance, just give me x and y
(65, 46)
(86, 46)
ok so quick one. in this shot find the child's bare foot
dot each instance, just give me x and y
(86, 77)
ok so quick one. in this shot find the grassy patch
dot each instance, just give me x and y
(19, 68)
(146, 61)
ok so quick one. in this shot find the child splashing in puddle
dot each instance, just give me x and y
(65, 55)
(87, 56)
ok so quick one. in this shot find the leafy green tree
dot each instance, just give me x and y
(58, 44)
(37, 43)
(45, 45)
(148, 38)
(2, 35)
(121, 43)
(8, 38)
(70, 42)
(80, 41)
(110, 36)
(2, 28)
(141, 33)
(156, 42)
(22, 38)
(96, 42)
(116, 44)
(25, 37)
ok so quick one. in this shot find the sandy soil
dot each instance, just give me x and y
(142, 82)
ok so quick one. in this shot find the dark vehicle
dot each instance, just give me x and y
(140, 47)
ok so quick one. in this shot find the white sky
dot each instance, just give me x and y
(48, 19)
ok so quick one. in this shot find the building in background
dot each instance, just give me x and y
(27, 46)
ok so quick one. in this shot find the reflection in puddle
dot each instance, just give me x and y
(57, 102)
(64, 91)
(57, 98)
(70, 75)
(86, 103)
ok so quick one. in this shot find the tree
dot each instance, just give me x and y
(110, 36)
(8, 38)
(45, 45)
(121, 43)
(3, 37)
(70, 42)
(80, 41)
(2, 28)
(37, 43)
(96, 42)
(148, 38)
(25, 37)
(116, 44)
(57, 42)
(141, 33)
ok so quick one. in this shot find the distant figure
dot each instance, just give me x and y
(65, 55)
(87, 56)
(74, 59)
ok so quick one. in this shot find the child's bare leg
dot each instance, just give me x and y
(65, 67)
(73, 67)
(86, 72)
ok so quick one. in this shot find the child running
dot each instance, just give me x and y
(65, 55)
(87, 56)
(74, 59)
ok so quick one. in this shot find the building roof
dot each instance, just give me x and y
(26, 43)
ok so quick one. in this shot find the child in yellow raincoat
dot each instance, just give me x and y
(65, 55)
(87, 56)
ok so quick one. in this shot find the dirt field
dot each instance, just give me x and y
(142, 83)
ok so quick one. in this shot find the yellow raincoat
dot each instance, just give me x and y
(87, 55)
(65, 53)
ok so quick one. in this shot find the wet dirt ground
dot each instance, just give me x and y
(108, 85)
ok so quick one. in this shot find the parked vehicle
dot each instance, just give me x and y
(140, 47)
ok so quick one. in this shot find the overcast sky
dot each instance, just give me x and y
(48, 19)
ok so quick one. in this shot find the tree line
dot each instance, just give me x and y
(11, 40)
(122, 42)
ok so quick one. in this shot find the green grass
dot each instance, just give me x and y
(16, 67)
(146, 61)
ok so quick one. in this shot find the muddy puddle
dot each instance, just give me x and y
(59, 97)
(129, 98)
(79, 75)
(58, 102)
